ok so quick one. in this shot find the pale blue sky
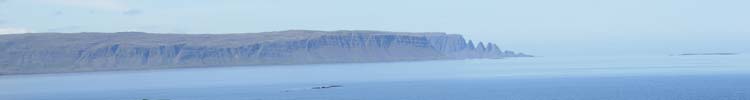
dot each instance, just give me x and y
(542, 27)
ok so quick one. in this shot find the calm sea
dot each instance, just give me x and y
(539, 78)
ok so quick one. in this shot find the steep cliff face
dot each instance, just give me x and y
(74, 52)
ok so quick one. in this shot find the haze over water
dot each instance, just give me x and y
(540, 27)
(589, 49)
(656, 77)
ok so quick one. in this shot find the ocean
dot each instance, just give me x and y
(650, 77)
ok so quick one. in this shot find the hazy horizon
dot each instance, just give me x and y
(539, 27)
(520, 50)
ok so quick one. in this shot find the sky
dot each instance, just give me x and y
(538, 27)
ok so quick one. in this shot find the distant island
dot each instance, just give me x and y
(33, 53)
(695, 54)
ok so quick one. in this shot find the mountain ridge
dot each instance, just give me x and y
(77, 52)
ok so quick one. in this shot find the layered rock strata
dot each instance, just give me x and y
(75, 52)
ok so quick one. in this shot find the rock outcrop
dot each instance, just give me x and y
(76, 52)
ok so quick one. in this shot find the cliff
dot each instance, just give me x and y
(76, 52)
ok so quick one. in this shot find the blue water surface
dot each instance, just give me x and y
(539, 78)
